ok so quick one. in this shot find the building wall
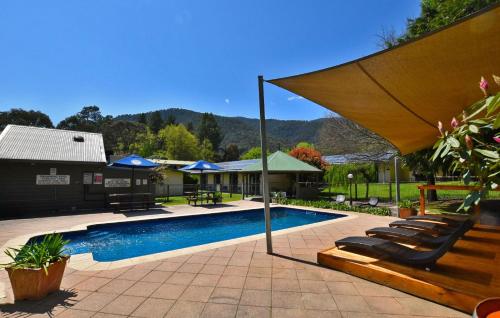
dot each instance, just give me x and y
(19, 192)
(173, 183)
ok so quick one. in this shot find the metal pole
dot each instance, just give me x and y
(396, 177)
(265, 180)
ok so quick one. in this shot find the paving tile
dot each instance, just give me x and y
(149, 265)
(213, 269)
(262, 283)
(212, 310)
(342, 288)
(95, 301)
(303, 313)
(74, 313)
(106, 315)
(259, 272)
(417, 306)
(386, 305)
(197, 293)
(198, 259)
(351, 303)
(169, 291)
(135, 273)
(186, 309)
(70, 281)
(318, 301)
(116, 286)
(366, 288)
(205, 280)
(190, 268)
(181, 278)
(154, 308)
(218, 260)
(113, 273)
(157, 276)
(143, 289)
(256, 297)
(253, 312)
(313, 286)
(231, 281)
(309, 274)
(236, 270)
(168, 266)
(123, 305)
(286, 299)
(280, 284)
(92, 284)
(288, 273)
(225, 295)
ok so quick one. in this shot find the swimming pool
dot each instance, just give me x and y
(118, 241)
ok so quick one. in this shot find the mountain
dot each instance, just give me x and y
(245, 132)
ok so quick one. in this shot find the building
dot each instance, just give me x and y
(286, 174)
(52, 170)
(173, 178)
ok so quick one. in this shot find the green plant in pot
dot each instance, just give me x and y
(37, 268)
(406, 209)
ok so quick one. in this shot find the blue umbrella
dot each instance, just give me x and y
(134, 161)
(200, 166)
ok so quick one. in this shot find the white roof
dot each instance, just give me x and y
(45, 144)
(172, 162)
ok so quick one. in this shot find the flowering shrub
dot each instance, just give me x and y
(472, 145)
(323, 204)
(310, 156)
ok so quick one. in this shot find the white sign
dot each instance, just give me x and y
(138, 182)
(116, 183)
(144, 181)
(53, 171)
(43, 179)
(87, 178)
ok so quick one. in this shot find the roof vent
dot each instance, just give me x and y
(78, 139)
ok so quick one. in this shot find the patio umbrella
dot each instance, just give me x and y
(200, 166)
(134, 161)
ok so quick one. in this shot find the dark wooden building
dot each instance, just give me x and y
(58, 170)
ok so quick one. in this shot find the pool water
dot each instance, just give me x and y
(118, 241)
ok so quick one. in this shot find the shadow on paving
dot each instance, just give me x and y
(25, 308)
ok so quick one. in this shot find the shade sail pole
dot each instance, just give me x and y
(396, 177)
(265, 179)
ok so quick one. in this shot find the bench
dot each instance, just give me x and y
(130, 201)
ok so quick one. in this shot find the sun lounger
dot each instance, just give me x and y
(416, 236)
(340, 198)
(397, 252)
(435, 218)
(434, 228)
(372, 202)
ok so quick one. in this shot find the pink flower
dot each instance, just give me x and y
(440, 127)
(454, 123)
(497, 139)
(468, 142)
(483, 85)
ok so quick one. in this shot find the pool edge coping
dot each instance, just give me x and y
(85, 262)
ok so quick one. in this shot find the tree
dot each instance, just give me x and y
(304, 144)
(143, 119)
(171, 120)
(146, 144)
(253, 153)
(362, 172)
(231, 153)
(206, 150)
(209, 129)
(120, 135)
(178, 143)
(17, 116)
(420, 162)
(309, 156)
(190, 127)
(434, 14)
(156, 122)
(88, 119)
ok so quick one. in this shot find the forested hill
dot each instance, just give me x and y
(244, 132)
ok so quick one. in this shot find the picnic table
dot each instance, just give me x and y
(203, 195)
(131, 200)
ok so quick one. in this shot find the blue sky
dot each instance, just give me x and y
(129, 56)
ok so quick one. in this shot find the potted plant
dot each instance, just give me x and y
(37, 268)
(406, 209)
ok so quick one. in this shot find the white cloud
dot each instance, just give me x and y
(294, 98)
(227, 101)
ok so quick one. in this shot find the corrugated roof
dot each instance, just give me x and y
(358, 158)
(44, 144)
(172, 162)
(281, 162)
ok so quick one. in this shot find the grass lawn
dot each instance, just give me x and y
(409, 191)
(177, 200)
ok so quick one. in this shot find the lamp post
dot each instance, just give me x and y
(350, 176)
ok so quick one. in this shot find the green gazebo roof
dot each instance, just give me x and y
(281, 162)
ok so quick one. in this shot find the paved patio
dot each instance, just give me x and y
(239, 280)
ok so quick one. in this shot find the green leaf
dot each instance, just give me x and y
(492, 103)
(466, 177)
(446, 150)
(487, 153)
(473, 129)
(496, 124)
(452, 141)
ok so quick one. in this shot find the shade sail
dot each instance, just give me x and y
(281, 162)
(402, 93)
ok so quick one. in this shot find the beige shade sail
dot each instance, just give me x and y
(401, 93)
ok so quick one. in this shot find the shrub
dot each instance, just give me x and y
(406, 204)
(323, 204)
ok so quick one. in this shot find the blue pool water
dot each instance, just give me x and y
(112, 242)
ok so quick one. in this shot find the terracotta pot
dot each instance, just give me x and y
(487, 308)
(34, 284)
(406, 212)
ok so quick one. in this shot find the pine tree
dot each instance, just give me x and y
(209, 129)
(156, 122)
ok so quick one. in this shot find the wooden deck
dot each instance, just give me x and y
(467, 274)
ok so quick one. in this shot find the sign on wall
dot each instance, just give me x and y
(53, 171)
(43, 179)
(117, 183)
(98, 178)
(87, 178)
(144, 181)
